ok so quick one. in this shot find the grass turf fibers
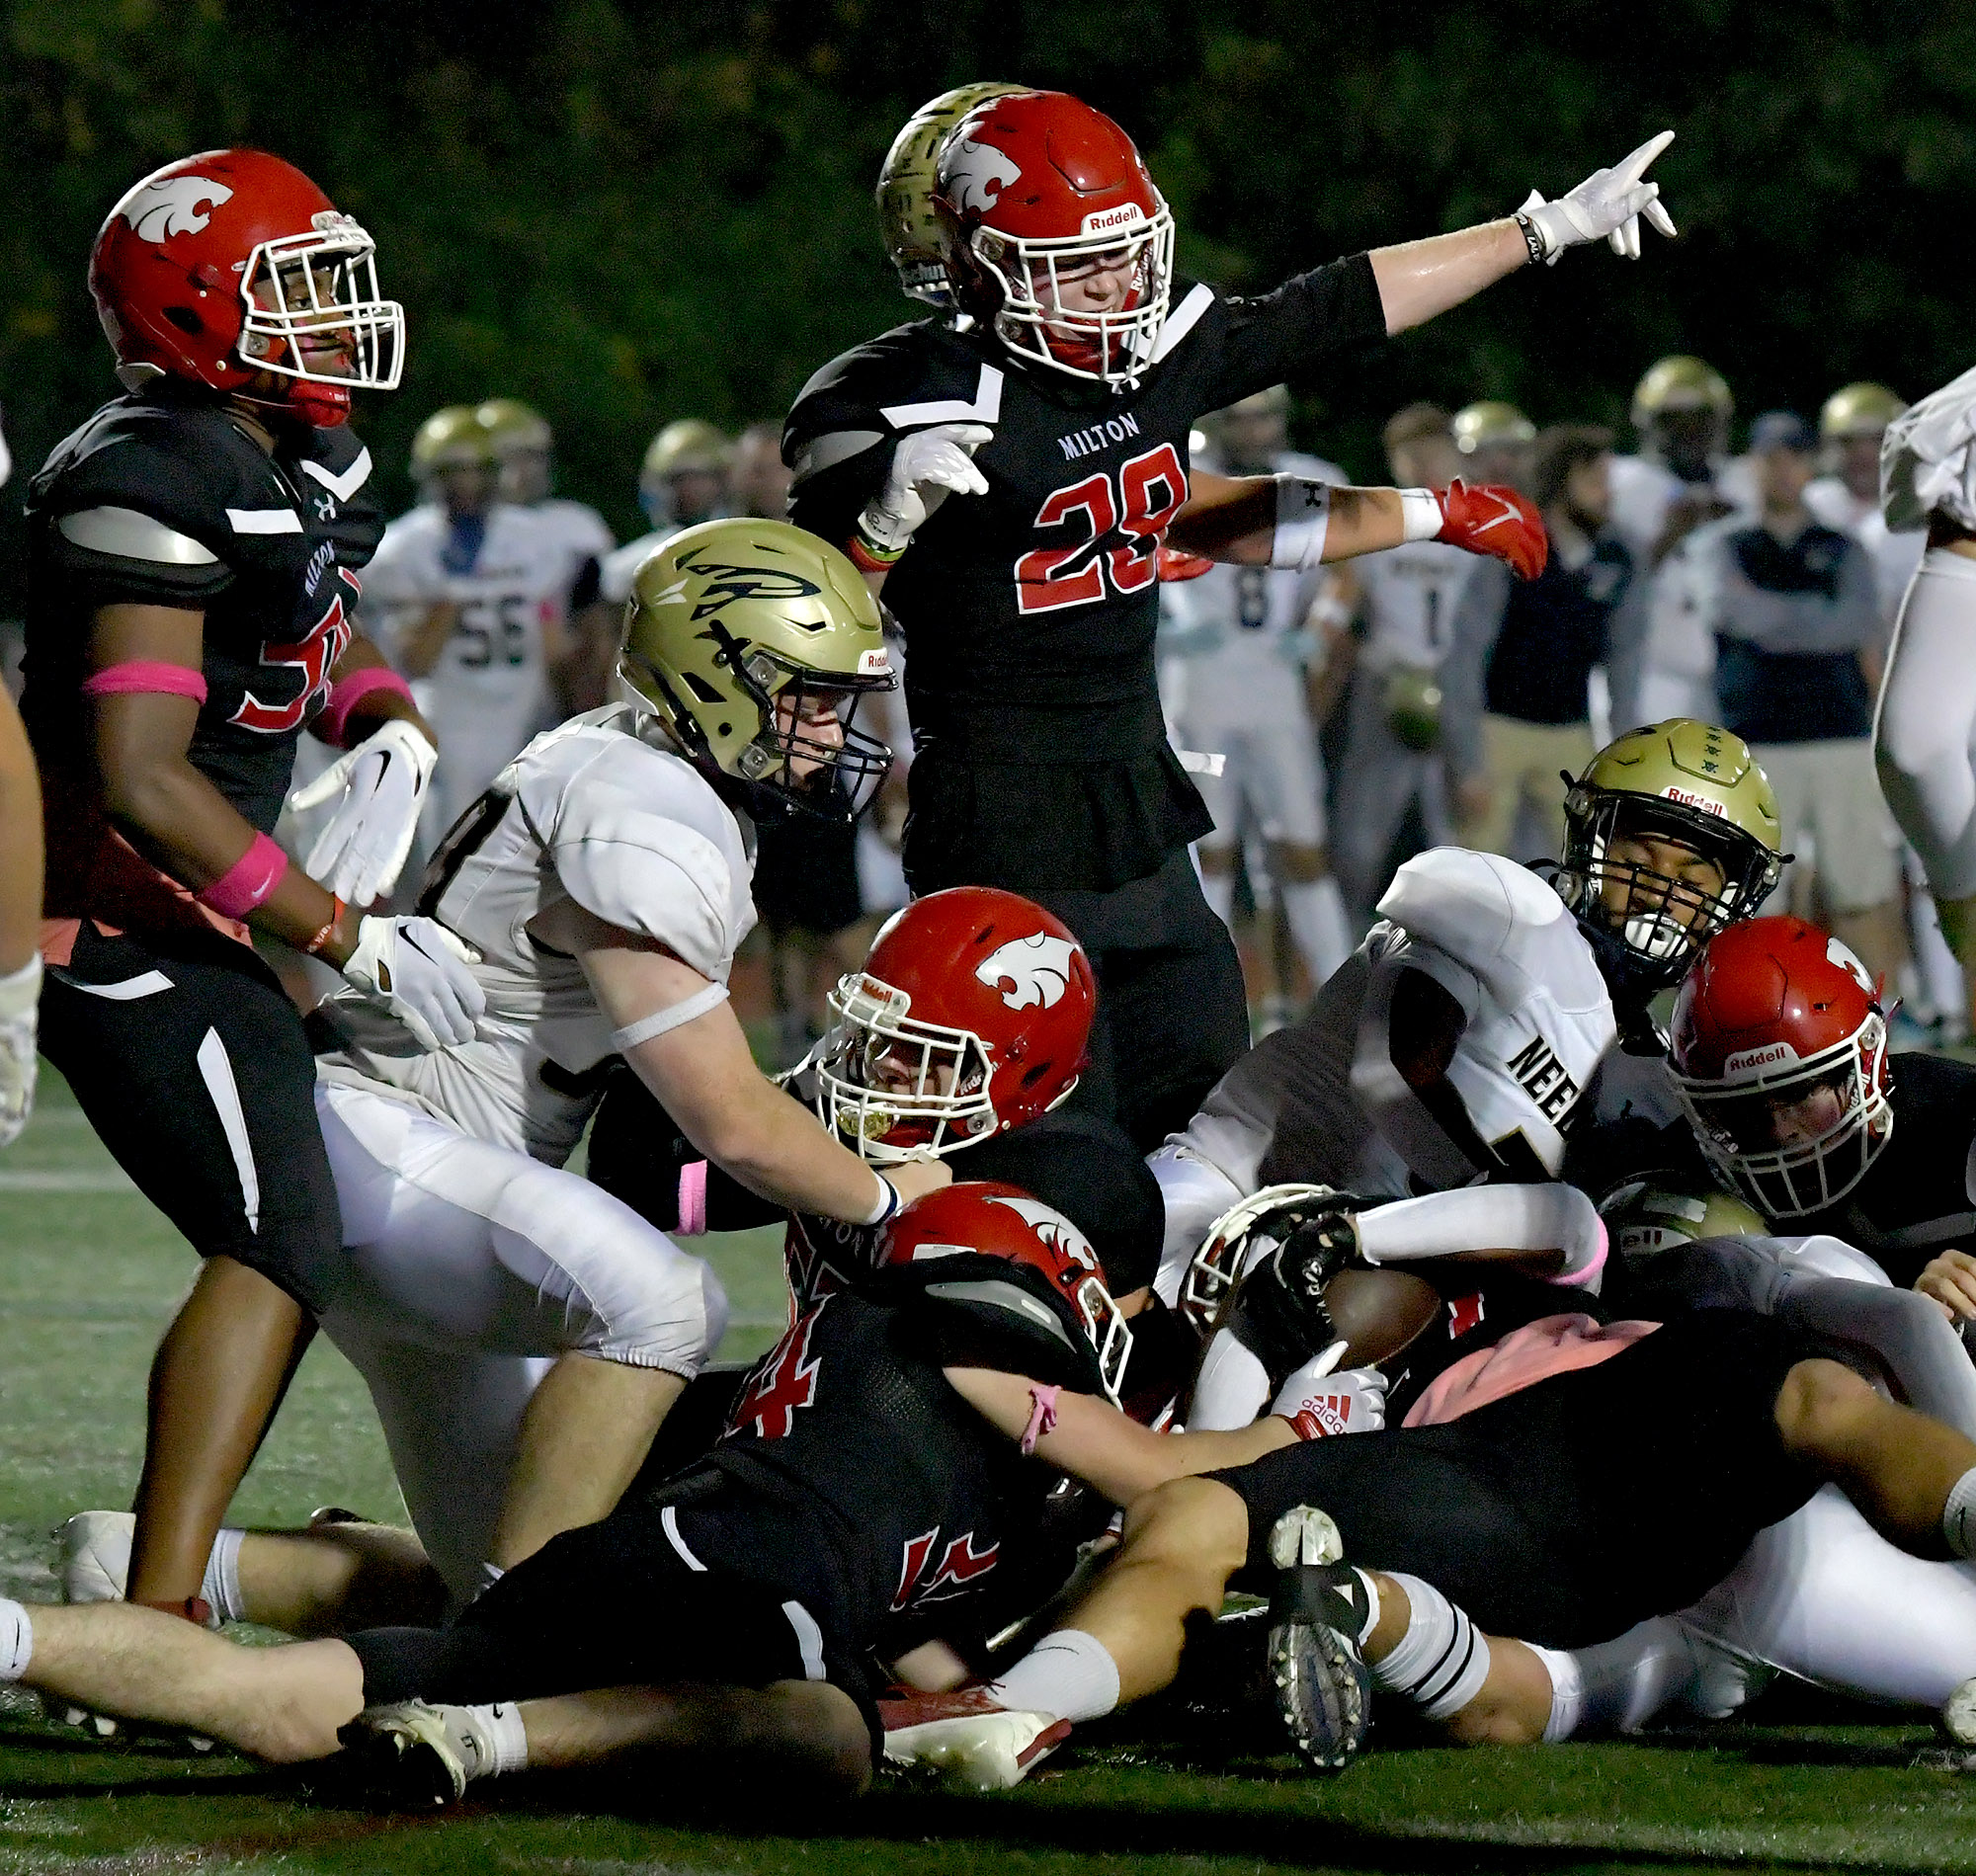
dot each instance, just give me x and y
(89, 1273)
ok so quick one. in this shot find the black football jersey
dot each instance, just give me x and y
(1029, 612)
(162, 499)
(884, 1472)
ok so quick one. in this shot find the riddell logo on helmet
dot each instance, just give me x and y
(874, 663)
(1746, 1061)
(1700, 801)
(174, 204)
(1100, 219)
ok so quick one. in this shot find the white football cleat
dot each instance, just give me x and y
(1958, 1714)
(419, 1753)
(967, 1740)
(94, 1561)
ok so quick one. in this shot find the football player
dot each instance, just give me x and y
(471, 594)
(684, 480)
(1492, 439)
(873, 1475)
(908, 224)
(522, 1333)
(1492, 1005)
(1241, 649)
(1061, 417)
(20, 921)
(1926, 731)
(192, 564)
(1393, 761)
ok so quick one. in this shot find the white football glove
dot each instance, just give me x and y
(1607, 203)
(927, 467)
(360, 853)
(421, 973)
(1320, 1404)
(20, 999)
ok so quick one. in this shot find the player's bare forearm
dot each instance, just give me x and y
(428, 639)
(1111, 1452)
(20, 842)
(164, 807)
(1233, 519)
(360, 654)
(1419, 280)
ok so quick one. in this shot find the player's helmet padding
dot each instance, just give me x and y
(1023, 1284)
(1779, 1056)
(914, 240)
(969, 1016)
(1679, 781)
(732, 628)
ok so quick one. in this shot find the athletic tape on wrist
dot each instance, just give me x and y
(20, 990)
(889, 1203)
(248, 881)
(1422, 516)
(145, 674)
(1303, 520)
(332, 722)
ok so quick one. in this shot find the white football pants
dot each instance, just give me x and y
(1925, 733)
(470, 1268)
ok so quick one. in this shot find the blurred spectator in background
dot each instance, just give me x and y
(466, 596)
(1681, 479)
(525, 446)
(1494, 440)
(1518, 679)
(761, 476)
(1393, 790)
(686, 478)
(19, 906)
(1794, 611)
(1846, 495)
(1239, 651)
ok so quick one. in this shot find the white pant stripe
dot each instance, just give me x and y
(810, 1638)
(669, 1522)
(218, 1073)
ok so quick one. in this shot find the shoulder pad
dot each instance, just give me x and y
(640, 839)
(974, 1311)
(130, 535)
(908, 378)
(1467, 904)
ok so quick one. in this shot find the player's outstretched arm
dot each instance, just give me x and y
(1420, 279)
(680, 1033)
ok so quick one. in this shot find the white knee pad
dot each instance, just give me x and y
(1441, 1660)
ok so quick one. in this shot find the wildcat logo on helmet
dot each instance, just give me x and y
(975, 174)
(174, 204)
(1052, 1227)
(1036, 969)
(1842, 955)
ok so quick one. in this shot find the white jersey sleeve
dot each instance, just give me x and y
(621, 566)
(1928, 458)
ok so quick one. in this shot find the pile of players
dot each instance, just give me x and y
(1352, 1336)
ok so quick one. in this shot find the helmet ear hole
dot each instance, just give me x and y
(185, 319)
(700, 689)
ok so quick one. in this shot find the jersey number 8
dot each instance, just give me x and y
(1149, 493)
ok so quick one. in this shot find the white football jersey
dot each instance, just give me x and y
(1322, 1100)
(582, 532)
(621, 564)
(1411, 596)
(589, 812)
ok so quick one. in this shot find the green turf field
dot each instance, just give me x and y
(88, 1275)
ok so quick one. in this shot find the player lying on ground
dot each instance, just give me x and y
(1494, 1005)
(522, 1333)
(883, 1462)
(1537, 1489)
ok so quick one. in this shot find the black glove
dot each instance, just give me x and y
(1278, 1311)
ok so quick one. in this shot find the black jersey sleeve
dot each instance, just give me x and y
(1308, 321)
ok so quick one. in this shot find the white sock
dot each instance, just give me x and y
(1317, 922)
(1958, 1515)
(504, 1737)
(1218, 889)
(1567, 1693)
(17, 1642)
(1441, 1660)
(1068, 1673)
(220, 1585)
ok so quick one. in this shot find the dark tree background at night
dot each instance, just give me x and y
(628, 211)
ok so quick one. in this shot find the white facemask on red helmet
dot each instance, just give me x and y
(1057, 238)
(232, 263)
(1779, 1053)
(986, 1219)
(970, 1016)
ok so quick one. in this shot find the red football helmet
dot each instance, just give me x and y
(985, 1218)
(969, 1018)
(231, 263)
(1780, 1056)
(1039, 191)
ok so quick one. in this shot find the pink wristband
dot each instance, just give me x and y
(1043, 1415)
(332, 724)
(248, 881)
(1578, 1280)
(693, 1199)
(146, 674)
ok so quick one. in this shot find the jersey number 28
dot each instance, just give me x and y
(1148, 493)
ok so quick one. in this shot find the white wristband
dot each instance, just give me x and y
(1303, 519)
(1421, 516)
(888, 1204)
(17, 1641)
(20, 990)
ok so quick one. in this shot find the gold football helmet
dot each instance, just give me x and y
(1650, 1215)
(1858, 410)
(524, 442)
(739, 636)
(451, 438)
(912, 234)
(1491, 425)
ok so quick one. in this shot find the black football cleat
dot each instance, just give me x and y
(1323, 1689)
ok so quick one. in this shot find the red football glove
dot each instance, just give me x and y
(1176, 563)
(1495, 520)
